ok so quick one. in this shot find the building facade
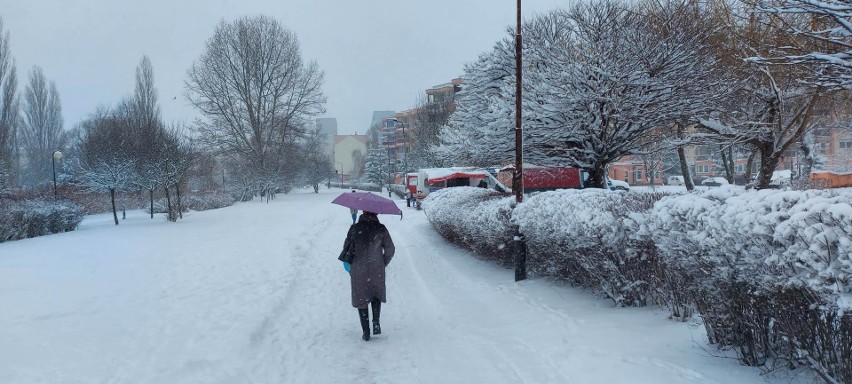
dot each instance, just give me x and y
(350, 154)
(327, 127)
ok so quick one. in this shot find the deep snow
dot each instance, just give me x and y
(254, 294)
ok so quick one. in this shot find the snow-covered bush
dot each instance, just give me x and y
(770, 271)
(197, 202)
(207, 201)
(476, 218)
(583, 236)
(25, 219)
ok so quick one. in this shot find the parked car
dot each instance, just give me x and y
(676, 180)
(781, 179)
(714, 181)
(617, 185)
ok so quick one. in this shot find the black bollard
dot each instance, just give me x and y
(520, 259)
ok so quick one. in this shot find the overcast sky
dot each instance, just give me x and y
(376, 54)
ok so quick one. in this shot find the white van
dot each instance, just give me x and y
(428, 180)
(676, 180)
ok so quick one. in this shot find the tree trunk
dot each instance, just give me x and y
(649, 172)
(768, 163)
(684, 169)
(151, 195)
(179, 208)
(597, 176)
(728, 162)
(684, 166)
(808, 155)
(170, 214)
(114, 211)
(749, 167)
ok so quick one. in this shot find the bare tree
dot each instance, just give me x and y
(148, 136)
(827, 29)
(255, 92)
(9, 111)
(178, 157)
(317, 165)
(424, 128)
(146, 110)
(43, 124)
(772, 107)
(616, 77)
(104, 164)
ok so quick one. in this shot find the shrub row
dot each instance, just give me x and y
(474, 218)
(208, 200)
(583, 236)
(768, 271)
(198, 201)
(32, 218)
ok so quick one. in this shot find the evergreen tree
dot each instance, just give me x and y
(376, 167)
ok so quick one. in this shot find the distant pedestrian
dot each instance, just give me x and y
(354, 212)
(368, 249)
(482, 184)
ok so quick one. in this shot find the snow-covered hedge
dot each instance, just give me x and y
(197, 202)
(25, 219)
(583, 236)
(207, 201)
(476, 218)
(769, 271)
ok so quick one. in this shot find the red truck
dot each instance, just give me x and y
(537, 179)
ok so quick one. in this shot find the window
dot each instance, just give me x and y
(702, 168)
(846, 144)
(637, 175)
(740, 168)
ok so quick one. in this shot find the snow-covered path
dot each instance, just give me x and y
(254, 294)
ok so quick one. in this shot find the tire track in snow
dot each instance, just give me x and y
(458, 294)
(290, 332)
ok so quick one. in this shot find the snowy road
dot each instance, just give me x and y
(254, 294)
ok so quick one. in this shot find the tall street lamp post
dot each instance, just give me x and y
(404, 158)
(56, 156)
(520, 259)
(405, 164)
(387, 144)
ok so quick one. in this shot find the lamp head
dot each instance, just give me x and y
(57, 155)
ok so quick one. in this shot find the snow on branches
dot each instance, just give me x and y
(597, 79)
(827, 25)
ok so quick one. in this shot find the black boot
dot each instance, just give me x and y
(365, 323)
(377, 310)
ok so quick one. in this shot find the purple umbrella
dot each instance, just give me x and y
(366, 201)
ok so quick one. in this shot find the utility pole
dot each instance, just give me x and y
(387, 144)
(405, 165)
(520, 259)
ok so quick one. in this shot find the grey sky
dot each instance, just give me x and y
(376, 54)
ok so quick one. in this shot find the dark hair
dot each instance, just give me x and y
(353, 190)
(369, 213)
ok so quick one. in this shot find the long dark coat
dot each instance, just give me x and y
(371, 249)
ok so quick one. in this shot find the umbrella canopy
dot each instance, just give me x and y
(366, 201)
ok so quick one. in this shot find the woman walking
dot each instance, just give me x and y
(368, 249)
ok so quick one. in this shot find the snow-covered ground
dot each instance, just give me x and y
(254, 294)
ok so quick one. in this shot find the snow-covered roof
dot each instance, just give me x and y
(444, 173)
